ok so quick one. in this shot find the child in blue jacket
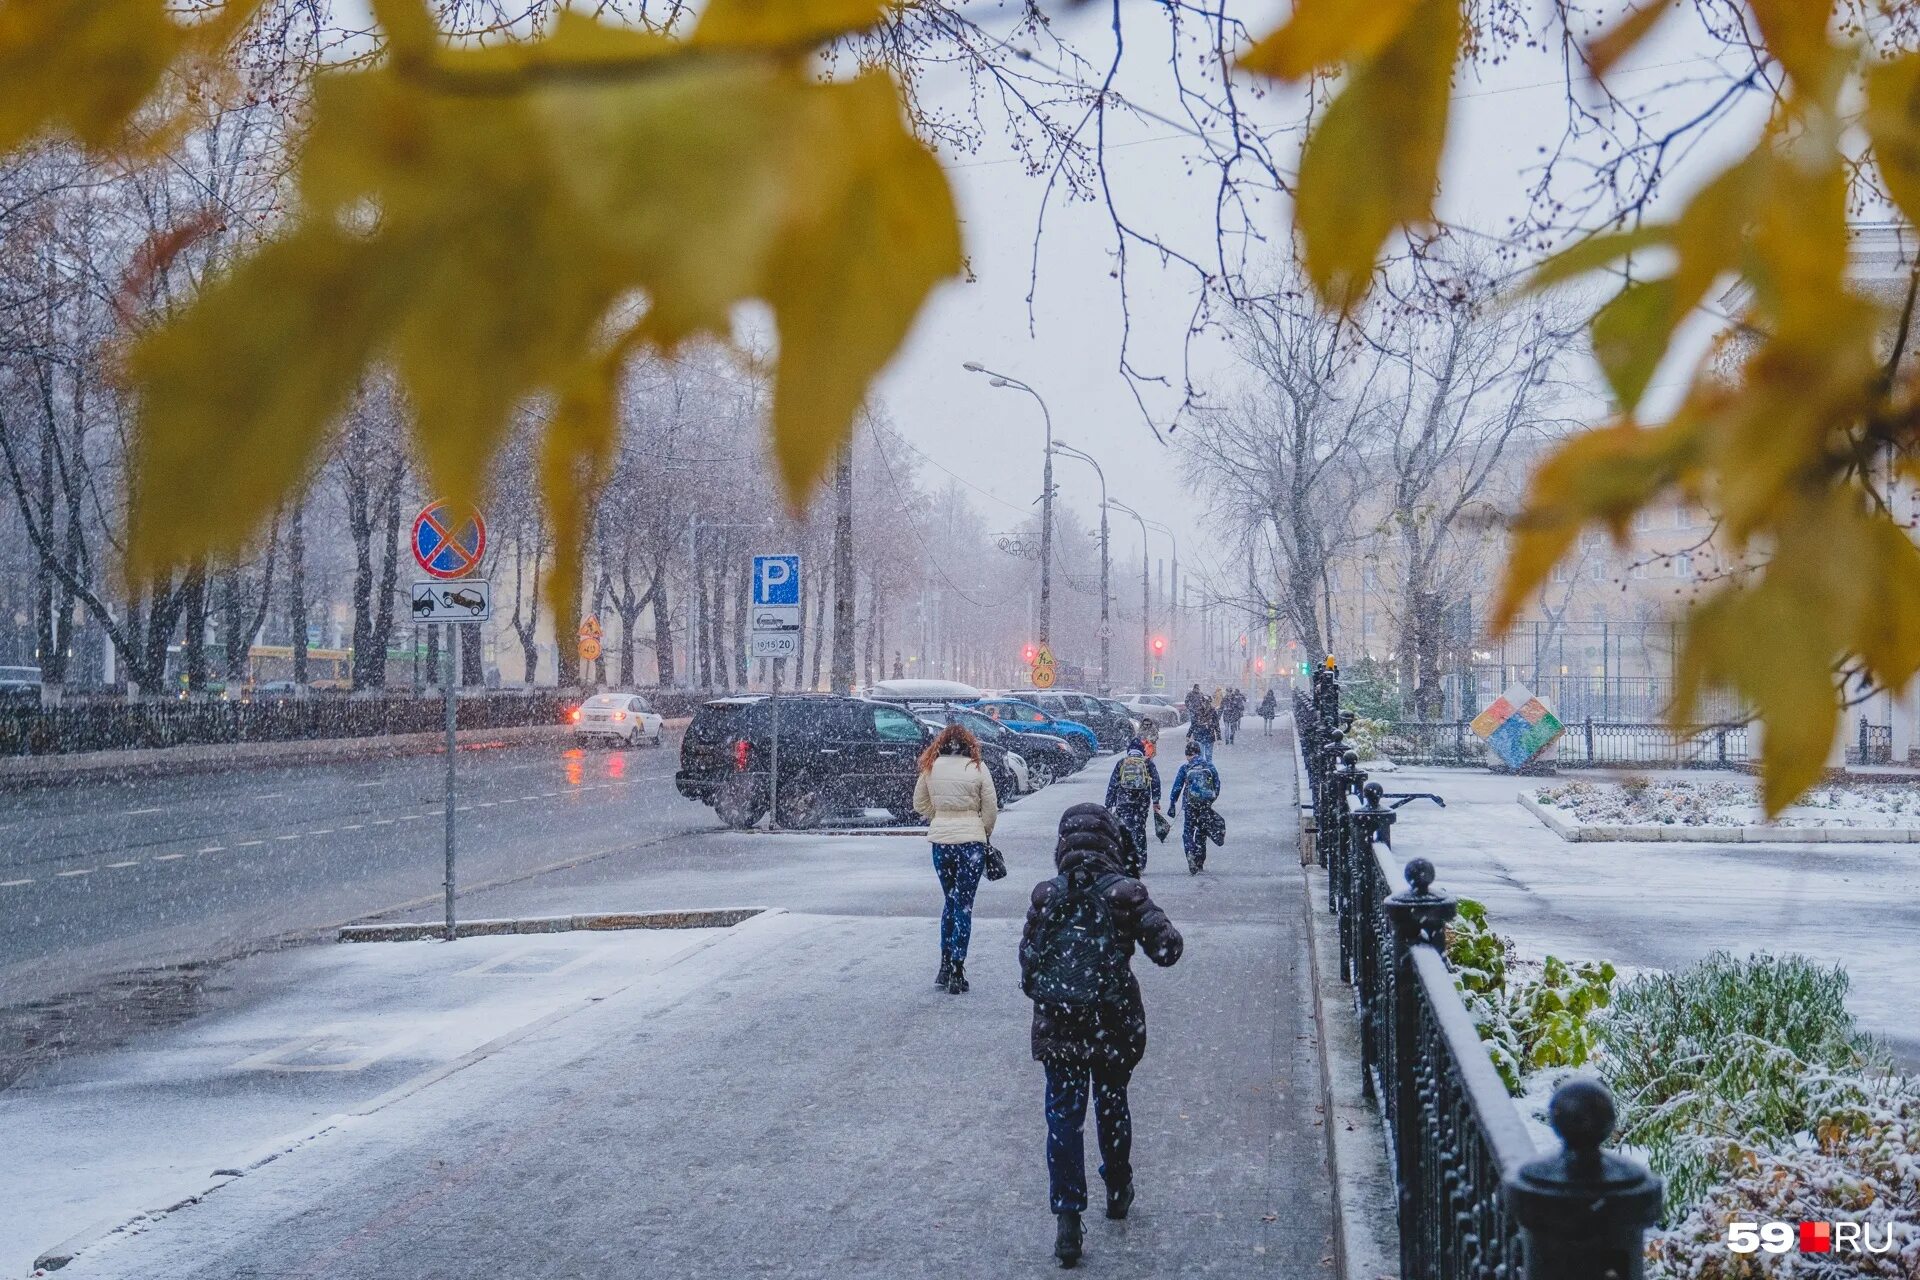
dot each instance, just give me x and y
(1199, 782)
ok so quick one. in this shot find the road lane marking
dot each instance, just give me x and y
(115, 866)
(9, 884)
(84, 872)
(412, 817)
(294, 836)
(244, 843)
(212, 848)
(381, 822)
(324, 831)
(353, 826)
(172, 857)
(134, 813)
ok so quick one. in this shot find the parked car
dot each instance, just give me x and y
(624, 718)
(1157, 707)
(1110, 731)
(927, 692)
(1011, 778)
(1120, 709)
(1017, 713)
(838, 755)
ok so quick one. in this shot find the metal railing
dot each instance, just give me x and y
(1476, 1200)
(111, 726)
(1873, 744)
(1586, 743)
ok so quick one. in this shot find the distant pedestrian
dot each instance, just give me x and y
(1150, 735)
(955, 793)
(1089, 1025)
(1205, 728)
(1198, 781)
(1232, 707)
(1269, 708)
(1133, 794)
(1194, 700)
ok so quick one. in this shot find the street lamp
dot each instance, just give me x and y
(1106, 631)
(1046, 494)
(1146, 598)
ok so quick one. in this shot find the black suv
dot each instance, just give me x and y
(1082, 708)
(837, 756)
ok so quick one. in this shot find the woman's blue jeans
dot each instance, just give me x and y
(959, 867)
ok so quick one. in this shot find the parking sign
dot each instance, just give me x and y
(776, 580)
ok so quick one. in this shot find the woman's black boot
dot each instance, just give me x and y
(1067, 1242)
(946, 972)
(957, 982)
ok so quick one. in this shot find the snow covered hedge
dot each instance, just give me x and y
(1693, 802)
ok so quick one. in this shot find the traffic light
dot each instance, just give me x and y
(1159, 646)
(1304, 669)
(1028, 654)
(1259, 666)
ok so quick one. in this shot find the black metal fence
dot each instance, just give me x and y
(1873, 744)
(1476, 1200)
(1586, 743)
(109, 726)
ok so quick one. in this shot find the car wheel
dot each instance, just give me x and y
(739, 803)
(799, 809)
(1039, 774)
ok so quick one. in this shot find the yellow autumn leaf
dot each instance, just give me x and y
(1606, 50)
(1321, 34)
(1370, 167)
(575, 461)
(784, 22)
(1892, 121)
(1596, 253)
(80, 65)
(1630, 336)
(238, 391)
(1888, 635)
(854, 267)
(1795, 33)
(1604, 476)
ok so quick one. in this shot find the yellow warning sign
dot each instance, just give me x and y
(590, 626)
(589, 648)
(1042, 676)
(1044, 658)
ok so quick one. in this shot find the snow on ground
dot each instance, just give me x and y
(310, 1033)
(1665, 905)
(1727, 800)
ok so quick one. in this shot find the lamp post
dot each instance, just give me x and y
(1146, 598)
(1106, 631)
(1046, 495)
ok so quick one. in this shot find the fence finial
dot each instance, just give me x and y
(1584, 1211)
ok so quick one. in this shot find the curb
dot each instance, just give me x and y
(1584, 833)
(153, 762)
(1366, 1224)
(427, 930)
(195, 1190)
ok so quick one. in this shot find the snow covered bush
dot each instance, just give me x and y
(1865, 1169)
(1700, 802)
(1529, 1021)
(1733, 1056)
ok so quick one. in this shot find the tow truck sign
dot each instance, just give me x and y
(467, 600)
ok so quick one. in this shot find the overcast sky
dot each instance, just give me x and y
(991, 439)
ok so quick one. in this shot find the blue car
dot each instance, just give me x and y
(1027, 718)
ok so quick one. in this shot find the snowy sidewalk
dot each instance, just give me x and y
(796, 1100)
(1665, 905)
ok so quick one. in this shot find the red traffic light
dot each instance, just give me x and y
(1259, 666)
(1027, 654)
(1159, 645)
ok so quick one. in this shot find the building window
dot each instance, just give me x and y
(1683, 565)
(1645, 518)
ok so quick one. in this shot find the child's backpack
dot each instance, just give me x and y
(1075, 958)
(1203, 783)
(1134, 775)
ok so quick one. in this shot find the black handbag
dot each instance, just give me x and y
(996, 863)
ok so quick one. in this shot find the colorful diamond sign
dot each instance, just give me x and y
(1518, 726)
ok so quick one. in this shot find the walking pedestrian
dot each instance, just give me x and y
(1089, 1025)
(1232, 707)
(1205, 728)
(1199, 782)
(1269, 708)
(1194, 700)
(1133, 793)
(955, 794)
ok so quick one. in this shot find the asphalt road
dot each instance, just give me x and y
(105, 878)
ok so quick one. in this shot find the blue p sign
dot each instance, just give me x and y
(776, 580)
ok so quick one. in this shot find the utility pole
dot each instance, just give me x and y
(1046, 495)
(840, 678)
(1146, 598)
(1106, 628)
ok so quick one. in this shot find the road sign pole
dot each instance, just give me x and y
(446, 682)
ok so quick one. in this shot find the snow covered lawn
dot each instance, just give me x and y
(1725, 809)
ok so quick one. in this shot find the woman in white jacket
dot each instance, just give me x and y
(955, 794)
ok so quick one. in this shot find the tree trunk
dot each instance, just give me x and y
(382, 635)
(566, 626)
(722, 668)
(702, 648)
(433, 655)
(194, 642)
(845, 586)
(740, 630)
(297, 590)
(873, 620)
(662, 628)
(819, 630)
(473, 670)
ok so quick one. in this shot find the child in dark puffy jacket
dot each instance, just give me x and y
(1198, 782)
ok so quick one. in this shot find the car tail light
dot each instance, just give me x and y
(574, 715)
(619, 715)
(740, 756)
